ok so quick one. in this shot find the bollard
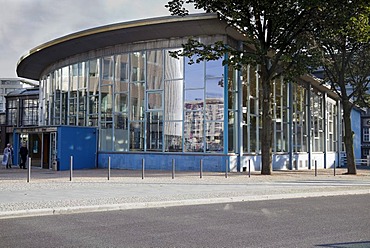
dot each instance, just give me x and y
(315, 168)
(249, 168)
(201, 168)
(108, 167)
(71, 169)
(142, 168)
(173, 168)
(29, 170)
(226, 168)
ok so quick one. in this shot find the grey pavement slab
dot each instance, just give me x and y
(52, 192)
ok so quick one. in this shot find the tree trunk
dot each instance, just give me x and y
(348, 138)
(266, 131)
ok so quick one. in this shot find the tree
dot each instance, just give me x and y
(279, 33)
(343, 39)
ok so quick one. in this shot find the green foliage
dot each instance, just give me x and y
(343, 36)
(278, 31)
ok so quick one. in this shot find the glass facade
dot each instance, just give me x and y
(148, 101)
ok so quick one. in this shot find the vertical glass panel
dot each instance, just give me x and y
(194, 132)
(174, 67)
(93, 105)
(106, 137)
(121, 101)
(214, 90)
(122, 68)
(121, 86)
(214, 110)
(137, 92)
(253, 133)
(121, 132)
(106, 99)
(173, 136)
(73, 84)
(155, 131)
(108, 68)
(173, 100)
(154, 100)
(137, 66)
(214, 141)
(93, 77)
(194, 75)
(154, 69)
(137, 136)
(82, 103)
(194, 99)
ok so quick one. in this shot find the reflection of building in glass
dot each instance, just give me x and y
(146, 104)
(22, 110)
(8, 85)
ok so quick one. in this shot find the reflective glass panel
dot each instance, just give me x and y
(194, 132)
(155, 131)
(154, 100)
(194, 75)
(137, 66)
(136, 136)
(174, 67)
(137, 93)
(173, 103)
(173, 136)
(154, 70)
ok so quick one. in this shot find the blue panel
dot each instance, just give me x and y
(356, 128)
(183, 162)
(79, 142)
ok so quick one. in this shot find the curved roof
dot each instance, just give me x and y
(32, 64)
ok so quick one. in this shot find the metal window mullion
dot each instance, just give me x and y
(248, 109)
(274, 145)
(308, 107)
(257, 112)
(290, 123)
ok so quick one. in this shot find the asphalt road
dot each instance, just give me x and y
(336, 221)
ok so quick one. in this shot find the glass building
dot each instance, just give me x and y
(151, 108)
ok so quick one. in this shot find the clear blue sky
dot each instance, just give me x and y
(25, 24)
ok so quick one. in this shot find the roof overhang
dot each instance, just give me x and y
(34, 63)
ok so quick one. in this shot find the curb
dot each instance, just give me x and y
(163, 204)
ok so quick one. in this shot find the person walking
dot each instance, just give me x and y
(23, 151)
(7, 159)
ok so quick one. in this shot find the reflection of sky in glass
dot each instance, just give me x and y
(195, 75)
(214, 79)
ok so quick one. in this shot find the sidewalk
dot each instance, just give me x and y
(52, 192)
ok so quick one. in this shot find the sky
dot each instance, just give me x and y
(25, 24)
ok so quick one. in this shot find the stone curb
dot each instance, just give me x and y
(143, 205)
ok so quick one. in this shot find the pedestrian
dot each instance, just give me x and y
(7, 159)
(23, 151)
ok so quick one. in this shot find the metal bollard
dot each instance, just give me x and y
(249, 168)
(142, 168)
(201, 168)
(173, 168)
(108, 168)
(29, 170)
(315, 168)
(71, 169)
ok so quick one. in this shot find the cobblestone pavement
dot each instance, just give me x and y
(55, 192)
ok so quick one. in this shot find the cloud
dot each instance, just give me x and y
(25, 24)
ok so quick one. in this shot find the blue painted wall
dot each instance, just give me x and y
(79, 142)
(356, 128)
(183, 162)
